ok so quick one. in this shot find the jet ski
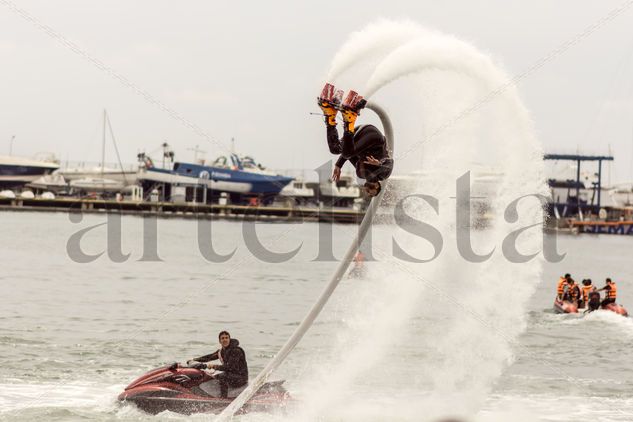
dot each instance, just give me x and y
(618, 309)
(186, 390)
(564, 307)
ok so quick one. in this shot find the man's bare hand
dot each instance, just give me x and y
(336, 174)
(372, 160)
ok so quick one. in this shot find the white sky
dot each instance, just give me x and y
(252, 70)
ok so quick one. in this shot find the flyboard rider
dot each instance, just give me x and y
(233, 367)
(363, 146)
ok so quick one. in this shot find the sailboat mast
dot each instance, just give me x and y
(103, 142)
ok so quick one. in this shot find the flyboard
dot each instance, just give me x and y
(261, 379)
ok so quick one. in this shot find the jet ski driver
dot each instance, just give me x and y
(233, 364)
(363, 146)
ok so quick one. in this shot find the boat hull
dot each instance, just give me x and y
(564, 307)
(618, 309)
(190, 404)
(186, 390)
(16, 171)
(242, 186)
(233, 181)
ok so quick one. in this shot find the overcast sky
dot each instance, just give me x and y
(251, 70)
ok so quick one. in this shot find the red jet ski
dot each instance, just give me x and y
(618, 309)
(564, 307)
(186, 390)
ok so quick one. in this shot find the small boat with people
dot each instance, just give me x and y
(572, 298)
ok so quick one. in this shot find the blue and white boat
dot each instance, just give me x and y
(17, 171)
(241, 177)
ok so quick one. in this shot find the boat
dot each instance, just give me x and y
(564, 307)
(18, 171)
(186, 390)
(342, 193)
(100, 178)
(244, 180)
(97, 184)
(123, 177)
(618, 309)
(621, 194)
(298, 192)
(54, 182)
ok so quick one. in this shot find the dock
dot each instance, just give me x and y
(603, 227)
(273, 213)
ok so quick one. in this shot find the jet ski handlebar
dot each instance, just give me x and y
(190, 364)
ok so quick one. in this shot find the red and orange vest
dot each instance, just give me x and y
(613, 291)
(585, 292)
(560, 289)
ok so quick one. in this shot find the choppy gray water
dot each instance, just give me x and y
(73, 335)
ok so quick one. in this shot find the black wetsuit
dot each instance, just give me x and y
(234, 367)
(594, 301)
(365, 141)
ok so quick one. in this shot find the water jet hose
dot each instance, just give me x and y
(261, 379)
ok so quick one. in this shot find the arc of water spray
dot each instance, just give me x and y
(376, 39)
(421, 54)
(262, 377)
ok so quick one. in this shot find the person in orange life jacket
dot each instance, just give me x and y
(586, 288)
(233, 363)
(611, 292)
(567, 289)
(363, 146)
(562, 283)
(573, 291)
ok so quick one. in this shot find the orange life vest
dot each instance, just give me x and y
(561, 286)
(573, 291)
(612, 292)
(585, 292)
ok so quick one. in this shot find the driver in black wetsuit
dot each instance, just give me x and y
(364, 146)
(233, 364)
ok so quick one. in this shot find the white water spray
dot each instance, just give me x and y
(376, 39)
(454, 322)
